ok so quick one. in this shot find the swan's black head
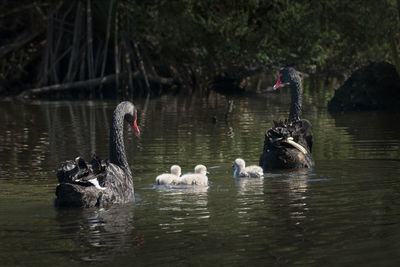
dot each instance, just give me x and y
(131, 119)
(286, 75)
(130, 115)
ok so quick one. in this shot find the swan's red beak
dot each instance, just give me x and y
(135, 128)
(278, 82)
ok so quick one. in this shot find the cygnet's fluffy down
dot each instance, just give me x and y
(242, 171)
(199, 177)
(170, 178)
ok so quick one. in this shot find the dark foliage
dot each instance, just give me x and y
(151, 46)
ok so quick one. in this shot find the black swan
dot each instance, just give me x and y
(288, 145)
(100, 182)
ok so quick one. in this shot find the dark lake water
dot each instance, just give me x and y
(344, 212)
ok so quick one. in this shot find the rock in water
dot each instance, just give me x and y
(374, 87)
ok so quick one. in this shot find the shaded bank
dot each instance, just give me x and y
(107, 49)
(100, 49)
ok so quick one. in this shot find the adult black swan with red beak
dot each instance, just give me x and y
(100, 182)
(289, 144)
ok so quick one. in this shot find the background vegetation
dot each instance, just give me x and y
(142, 47)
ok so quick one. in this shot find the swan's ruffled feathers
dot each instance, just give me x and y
(279, 153)
(80, 172)
(299, 130)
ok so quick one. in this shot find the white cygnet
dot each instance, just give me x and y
(170, 178)
(242, 171)
(199, 177)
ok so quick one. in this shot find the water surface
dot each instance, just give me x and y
(345, 211)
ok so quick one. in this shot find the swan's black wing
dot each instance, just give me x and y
(80, 172)
(81, 184)
(93, 184)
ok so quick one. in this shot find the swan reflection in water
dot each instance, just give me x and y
(250, 194)
(99, 234)
(284, 190)
(298, 183)
(185, 206)
(253, 186)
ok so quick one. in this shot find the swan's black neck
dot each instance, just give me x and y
(296, 91)
(117, 147)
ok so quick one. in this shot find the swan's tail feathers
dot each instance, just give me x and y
(287, 132)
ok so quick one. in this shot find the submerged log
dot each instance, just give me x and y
(91, 82)
(67, 86)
